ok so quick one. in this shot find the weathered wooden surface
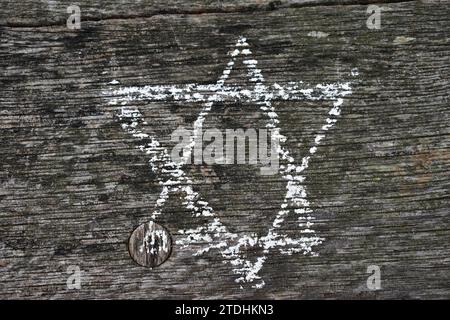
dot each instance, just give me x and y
(73, 186)
(150, 245)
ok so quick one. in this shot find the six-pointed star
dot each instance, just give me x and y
(172, 178)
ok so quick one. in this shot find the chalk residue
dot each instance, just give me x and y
(403, 40)
(172, 178)
(214, 92)
(318, 34)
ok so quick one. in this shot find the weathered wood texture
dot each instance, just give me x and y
(150, 245)
(38, 13)
(73, 186)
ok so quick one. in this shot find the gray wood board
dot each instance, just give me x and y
(73, 186)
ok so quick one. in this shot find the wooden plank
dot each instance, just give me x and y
(51, 12)
(73, 185)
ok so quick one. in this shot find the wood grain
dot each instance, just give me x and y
(150, 245)
(73, 186)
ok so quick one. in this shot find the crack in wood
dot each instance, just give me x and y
(253, 8)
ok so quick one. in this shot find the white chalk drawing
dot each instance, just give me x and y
(214, 235)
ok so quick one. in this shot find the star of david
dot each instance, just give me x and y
(214, 235)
